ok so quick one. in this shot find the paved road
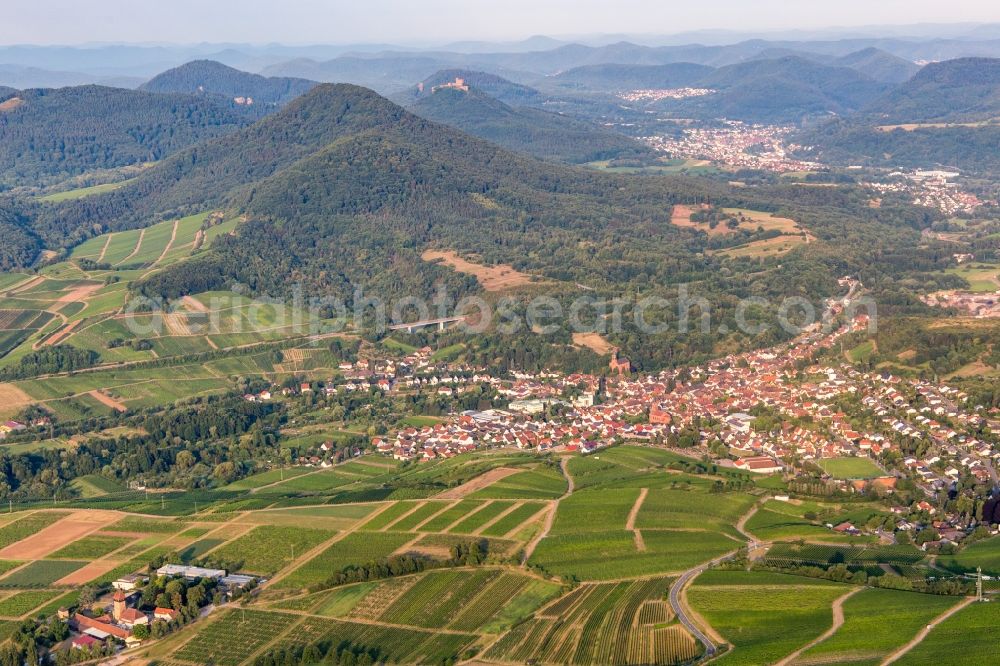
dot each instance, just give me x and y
(678, 587)
(675, 602)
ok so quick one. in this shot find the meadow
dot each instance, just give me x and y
(850, 468)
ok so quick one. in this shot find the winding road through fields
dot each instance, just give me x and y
(677, 603)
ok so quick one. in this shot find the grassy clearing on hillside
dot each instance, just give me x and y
(81, 192)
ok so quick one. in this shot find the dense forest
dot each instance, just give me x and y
(213, 441)
(49, 135)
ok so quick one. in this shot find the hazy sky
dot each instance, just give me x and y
(414, 21)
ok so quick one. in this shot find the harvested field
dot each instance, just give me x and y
(57, 535)
(193, 304)
(108, 400)
(478, 483)
(78, 294)
(93, 570)
(681, 217)
(594, 342)
(12, 399)
(492, 278)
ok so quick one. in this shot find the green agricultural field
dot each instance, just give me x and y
(594, 511)
(514, 519)
(777, 521)
(234, 636)
(899, 554)
(982, 278)
(985, 554)
(358, 548)
(763, 623)
(22, 603)
(541, 483)
(850, 468)
(267, 478)
(456, 513)
(267, 549)
(600, 624)
(865, 640)
(40, 573)
(90, 547)
(616, 554)
(94, 485)
(967, 637)
(342, 600)
(418, 514)
(483, 516)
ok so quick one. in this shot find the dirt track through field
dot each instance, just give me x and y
(59, 534)
(551, 517)
(104, 250)
(838, 622)
(640, 543)
(135, 250)
(922, 634)
(170, 244)
(478, 483)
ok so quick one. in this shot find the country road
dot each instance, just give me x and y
(677, 589)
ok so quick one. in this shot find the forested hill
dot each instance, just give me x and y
(210, 77)
(879, 65)
(497, 87)
(962, 90)
(944, 116)
(50, 134)
(614, 77)
(525, 129)
(6, 92)
(781, 90)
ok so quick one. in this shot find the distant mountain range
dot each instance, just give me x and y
(963, 90)
(391, 69)
(525, 129)
(210, 77)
